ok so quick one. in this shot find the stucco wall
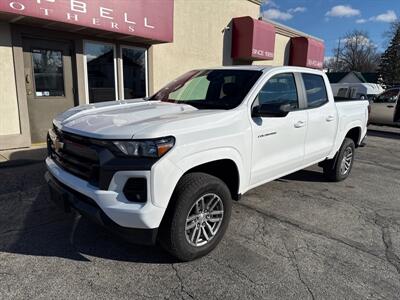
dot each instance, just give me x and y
(9, 116)
(281, 52)
(199, 40)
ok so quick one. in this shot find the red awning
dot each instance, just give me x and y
(307, 52)
(252, 39)
(151, 20)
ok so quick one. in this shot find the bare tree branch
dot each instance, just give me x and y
(357, 53)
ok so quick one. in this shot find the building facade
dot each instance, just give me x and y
(56, 54)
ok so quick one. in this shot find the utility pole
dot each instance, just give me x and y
(337, 55)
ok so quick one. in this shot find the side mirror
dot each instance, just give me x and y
(271, 110)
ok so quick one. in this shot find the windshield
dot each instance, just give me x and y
(209, 89)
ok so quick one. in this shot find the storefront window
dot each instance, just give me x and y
(48, 73)
(134, 72)
(100, 67)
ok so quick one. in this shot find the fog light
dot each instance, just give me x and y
(135, 190)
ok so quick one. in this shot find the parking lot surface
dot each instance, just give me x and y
(299, 237)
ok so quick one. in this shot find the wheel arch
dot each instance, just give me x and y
(353, 131)
(224, 169)
(354, 134)
(214, 162)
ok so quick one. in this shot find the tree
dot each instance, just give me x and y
(389, 68)
(334, 65)
(356, 52)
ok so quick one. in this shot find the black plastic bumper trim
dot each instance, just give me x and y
(364, 141)
(66, 198)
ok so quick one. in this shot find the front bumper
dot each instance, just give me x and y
(68, 198)
(112, 202)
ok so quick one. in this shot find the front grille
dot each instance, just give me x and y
(75, 154)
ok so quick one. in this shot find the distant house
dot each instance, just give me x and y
(352, 77)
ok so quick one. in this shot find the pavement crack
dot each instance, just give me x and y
(7, 274)
(390, 255)
(313, 230)
(182, 286)
(293, 260)
(265, 243)
(238, 272)
(255, 233)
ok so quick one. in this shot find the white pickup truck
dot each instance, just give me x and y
(167, 168)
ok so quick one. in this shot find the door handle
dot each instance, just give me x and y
(390, 106)
(299, 124)
(330, 118)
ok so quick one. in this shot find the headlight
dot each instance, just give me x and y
(146, 148)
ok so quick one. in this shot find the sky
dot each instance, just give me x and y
(330, 20)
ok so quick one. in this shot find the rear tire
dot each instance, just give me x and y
(197, 217)
(339, 168)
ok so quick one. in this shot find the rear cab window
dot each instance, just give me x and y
(315, 90)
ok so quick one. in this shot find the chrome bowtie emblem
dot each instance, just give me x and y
(58, 145)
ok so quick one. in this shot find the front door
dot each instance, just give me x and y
(383, 108)
(278, 142)
(48, 81)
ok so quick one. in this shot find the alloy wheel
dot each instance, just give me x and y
(204, 220)
(346, 161)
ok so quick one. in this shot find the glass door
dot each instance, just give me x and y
(100, 64)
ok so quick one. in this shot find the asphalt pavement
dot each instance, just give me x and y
(299, 237)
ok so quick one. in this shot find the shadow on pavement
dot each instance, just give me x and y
(305, 175)
(31, 224)
(23, 157)
(384, 134)
(18, 163)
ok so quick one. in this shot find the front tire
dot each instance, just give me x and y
(339, 169)
(197, 217)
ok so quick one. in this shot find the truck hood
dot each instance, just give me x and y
(131, 119)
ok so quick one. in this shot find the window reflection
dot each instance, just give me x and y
(48, 73)
(134, 67)
(100, 72)
(280, 90)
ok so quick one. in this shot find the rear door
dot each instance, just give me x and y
(321, 118)
(48, 82)
(278, 142)
(383, 108)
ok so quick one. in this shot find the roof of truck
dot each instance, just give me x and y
(262, 68)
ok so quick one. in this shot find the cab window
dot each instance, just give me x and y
(280, 90)
(342, 93)
(315, 89)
